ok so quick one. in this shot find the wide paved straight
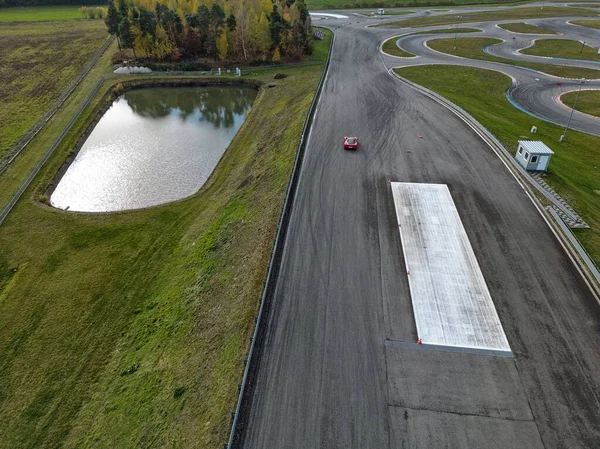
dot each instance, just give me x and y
(326, 378)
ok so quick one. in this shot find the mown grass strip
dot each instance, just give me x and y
(129, 329)
(587, 23)
(524, 28)
(472, 48)
(587, 5)
(588, 101)
(500, 14)
(574, 167)
(560, 48)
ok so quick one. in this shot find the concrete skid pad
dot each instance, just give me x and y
(451, 301)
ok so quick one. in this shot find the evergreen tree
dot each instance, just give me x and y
(147, 22)
(204, 19)
(277, 26)
(123, 8)
(217, 18)
(127, 38)
(231, 23)
(112, 20)
(160, 10)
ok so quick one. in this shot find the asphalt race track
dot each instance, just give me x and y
(340, 367)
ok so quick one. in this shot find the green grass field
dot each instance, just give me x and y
(39, 13)
(524, 28)
(130, 329)
(516, 13)
(472, 47)
(587, 23)
(573, 169)
(588, 101)
(391, 48)
(37, 62)
(560, 48)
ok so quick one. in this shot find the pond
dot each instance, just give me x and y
(153, 146)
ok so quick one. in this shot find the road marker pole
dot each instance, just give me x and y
(581, 83)
(456, 32)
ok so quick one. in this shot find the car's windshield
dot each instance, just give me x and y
(350, 141)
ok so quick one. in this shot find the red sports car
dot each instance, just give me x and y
(350, 143)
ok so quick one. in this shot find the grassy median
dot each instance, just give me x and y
(574, 167)
(588, 101)
(391, 48)
(472, 47)
(500, 14)
(587, 23)
(130, 329)
(587, 5)
(560, 48)
(525, 28)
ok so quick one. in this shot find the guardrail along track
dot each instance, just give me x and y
(251, 365)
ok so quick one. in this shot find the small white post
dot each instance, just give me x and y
(219, 71)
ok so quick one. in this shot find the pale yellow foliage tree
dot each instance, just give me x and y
(276, 56)
(260, 35)
(142, 41)
(163, 48)
(222, 46)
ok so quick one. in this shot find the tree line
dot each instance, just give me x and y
(240, 30)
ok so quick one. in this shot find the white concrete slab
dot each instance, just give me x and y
(329, 15)
(451, 301)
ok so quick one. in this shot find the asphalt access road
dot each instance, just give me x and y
(340, 368)
(534, 92)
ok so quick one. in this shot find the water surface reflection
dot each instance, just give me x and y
(153, 146)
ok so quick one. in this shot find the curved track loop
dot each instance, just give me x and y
(533, 92)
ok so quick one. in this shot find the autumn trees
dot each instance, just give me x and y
(241, 30)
